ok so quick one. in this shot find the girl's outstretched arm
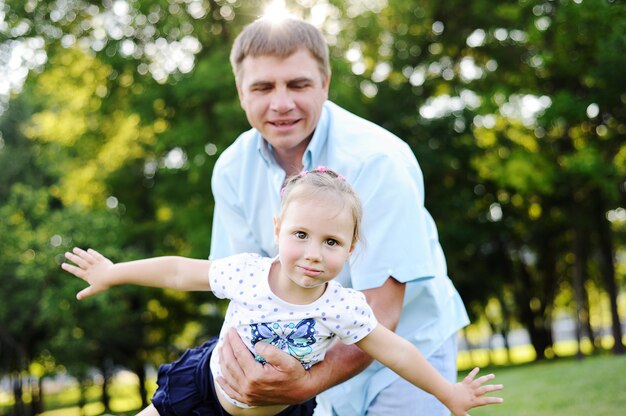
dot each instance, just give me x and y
(406, 360)
(179, 273)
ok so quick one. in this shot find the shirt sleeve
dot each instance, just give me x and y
(230, 232)
(354, 321)
(400, 237)
(231, 274)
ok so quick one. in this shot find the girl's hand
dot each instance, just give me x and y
(90, 266)
(470, 393)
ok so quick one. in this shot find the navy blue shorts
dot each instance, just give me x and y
(185, 387)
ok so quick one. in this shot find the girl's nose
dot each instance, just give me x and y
(312, 252)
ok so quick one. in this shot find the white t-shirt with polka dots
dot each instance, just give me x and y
(304, 331)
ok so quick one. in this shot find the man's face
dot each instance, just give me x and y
(283, 99)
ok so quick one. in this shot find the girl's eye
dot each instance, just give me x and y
(331, 242)
(301, 235)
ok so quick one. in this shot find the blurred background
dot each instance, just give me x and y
(112, 114)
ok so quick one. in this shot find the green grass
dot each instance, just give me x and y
(124, 400)
(594, 386)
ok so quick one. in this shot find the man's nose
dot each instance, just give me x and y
(282, 102)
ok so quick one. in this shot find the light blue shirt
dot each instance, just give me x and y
(400, 236)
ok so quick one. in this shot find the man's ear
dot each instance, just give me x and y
(240, 94)
(326, 84)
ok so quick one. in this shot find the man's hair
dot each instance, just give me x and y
(280, 39)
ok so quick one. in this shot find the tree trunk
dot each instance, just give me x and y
(18, 406)
(596, 340)
(578, 278)
(140, 370)
(490, 348)
(504, 329)
(36, 394)
(607, 269)
(105, 398)
(534, 321)
(82, 398)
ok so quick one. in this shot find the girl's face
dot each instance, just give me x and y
(315, 239)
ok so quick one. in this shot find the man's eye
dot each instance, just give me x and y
(261, 88)
(299, 86)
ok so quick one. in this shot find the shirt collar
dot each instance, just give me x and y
(313, 150)
(265, 149)
(312, 154)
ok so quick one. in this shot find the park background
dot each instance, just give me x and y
(112, 114)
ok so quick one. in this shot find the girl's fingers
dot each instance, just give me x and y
(77, 259)
(484, 379)
(472, 374)
(84, 254)
(487, 400)
(84, 258)
(97, 256)
(76, 271)
(489, 388)
(80, 257)
(85, 293)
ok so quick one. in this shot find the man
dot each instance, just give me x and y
(282, 77)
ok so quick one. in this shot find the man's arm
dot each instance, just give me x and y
(283, 380)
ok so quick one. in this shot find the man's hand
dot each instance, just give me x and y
(281, 380)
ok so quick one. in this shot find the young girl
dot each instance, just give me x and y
(290, 301)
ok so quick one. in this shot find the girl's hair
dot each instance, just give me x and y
(281, 39)
(326, 181)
